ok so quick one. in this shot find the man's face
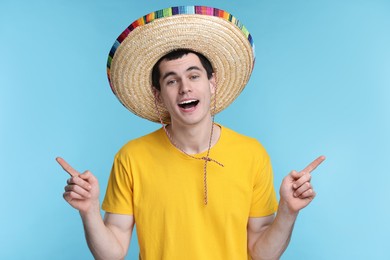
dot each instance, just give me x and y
(185, 90)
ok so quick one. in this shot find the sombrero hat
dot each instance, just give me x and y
(216, 34)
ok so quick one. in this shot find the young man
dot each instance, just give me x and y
(195, 189)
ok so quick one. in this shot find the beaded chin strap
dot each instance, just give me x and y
(206, 158)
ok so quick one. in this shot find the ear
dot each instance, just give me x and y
(213, 84)
(157, 94)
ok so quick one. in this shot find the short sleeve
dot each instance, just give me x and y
(119, 193)
(264, 202)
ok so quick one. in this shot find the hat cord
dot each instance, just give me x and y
(206, 158)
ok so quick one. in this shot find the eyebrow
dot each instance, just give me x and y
(170, 73)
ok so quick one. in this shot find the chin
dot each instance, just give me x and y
(193, 120)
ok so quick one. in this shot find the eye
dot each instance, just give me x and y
(195, 76)
(171, 82)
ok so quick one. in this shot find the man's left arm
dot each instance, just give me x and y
(268, 237)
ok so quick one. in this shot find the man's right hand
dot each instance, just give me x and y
(82, 190)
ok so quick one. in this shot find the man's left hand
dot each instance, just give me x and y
(296, 191)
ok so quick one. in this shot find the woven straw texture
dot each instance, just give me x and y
(221, 41)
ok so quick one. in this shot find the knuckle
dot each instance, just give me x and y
(310, 193)
(73, 195)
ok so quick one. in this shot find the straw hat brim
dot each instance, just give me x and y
(222, 41)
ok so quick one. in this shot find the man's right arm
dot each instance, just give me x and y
(108, 238)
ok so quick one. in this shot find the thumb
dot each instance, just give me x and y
(296, 175)
(89, 177)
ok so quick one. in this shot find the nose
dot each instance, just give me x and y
(185, 87)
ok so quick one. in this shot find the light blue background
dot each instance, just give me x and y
(321, 85)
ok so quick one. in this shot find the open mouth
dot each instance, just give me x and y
(188, 104)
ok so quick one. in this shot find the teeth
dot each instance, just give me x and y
(187, 101)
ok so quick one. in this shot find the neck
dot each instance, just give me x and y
(194, 139)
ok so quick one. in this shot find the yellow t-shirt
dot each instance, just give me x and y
(164, 189)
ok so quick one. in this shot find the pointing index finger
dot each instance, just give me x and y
(66, 166)
(314, 164)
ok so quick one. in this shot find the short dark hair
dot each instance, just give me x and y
(177, 54)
